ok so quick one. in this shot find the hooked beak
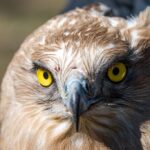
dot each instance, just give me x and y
(75, 109)
(78, 99)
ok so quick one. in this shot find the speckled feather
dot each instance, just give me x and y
(81, 41)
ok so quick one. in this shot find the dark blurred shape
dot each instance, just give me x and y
(123, 8)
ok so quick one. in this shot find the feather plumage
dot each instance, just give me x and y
(82, 41)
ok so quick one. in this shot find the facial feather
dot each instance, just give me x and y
(35, 117)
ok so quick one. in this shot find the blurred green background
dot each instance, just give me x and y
(18, 18)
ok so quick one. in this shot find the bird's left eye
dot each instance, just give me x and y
(44, 77)
(117, 72)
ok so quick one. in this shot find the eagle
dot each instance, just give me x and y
(81, 81)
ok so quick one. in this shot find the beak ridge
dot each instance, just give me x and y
(76, 101)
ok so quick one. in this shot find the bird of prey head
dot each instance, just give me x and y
(80, 82)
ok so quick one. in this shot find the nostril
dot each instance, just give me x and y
(87, 87)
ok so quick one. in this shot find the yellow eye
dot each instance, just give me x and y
(44, 77)
(117, 72)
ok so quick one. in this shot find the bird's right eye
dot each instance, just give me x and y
(44, 77)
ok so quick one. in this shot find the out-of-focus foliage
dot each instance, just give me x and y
(18, 18)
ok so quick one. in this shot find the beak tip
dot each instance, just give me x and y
(77, 127)
(76, 120)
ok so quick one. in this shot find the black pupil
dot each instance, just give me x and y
(116, 71)
(45, 75)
